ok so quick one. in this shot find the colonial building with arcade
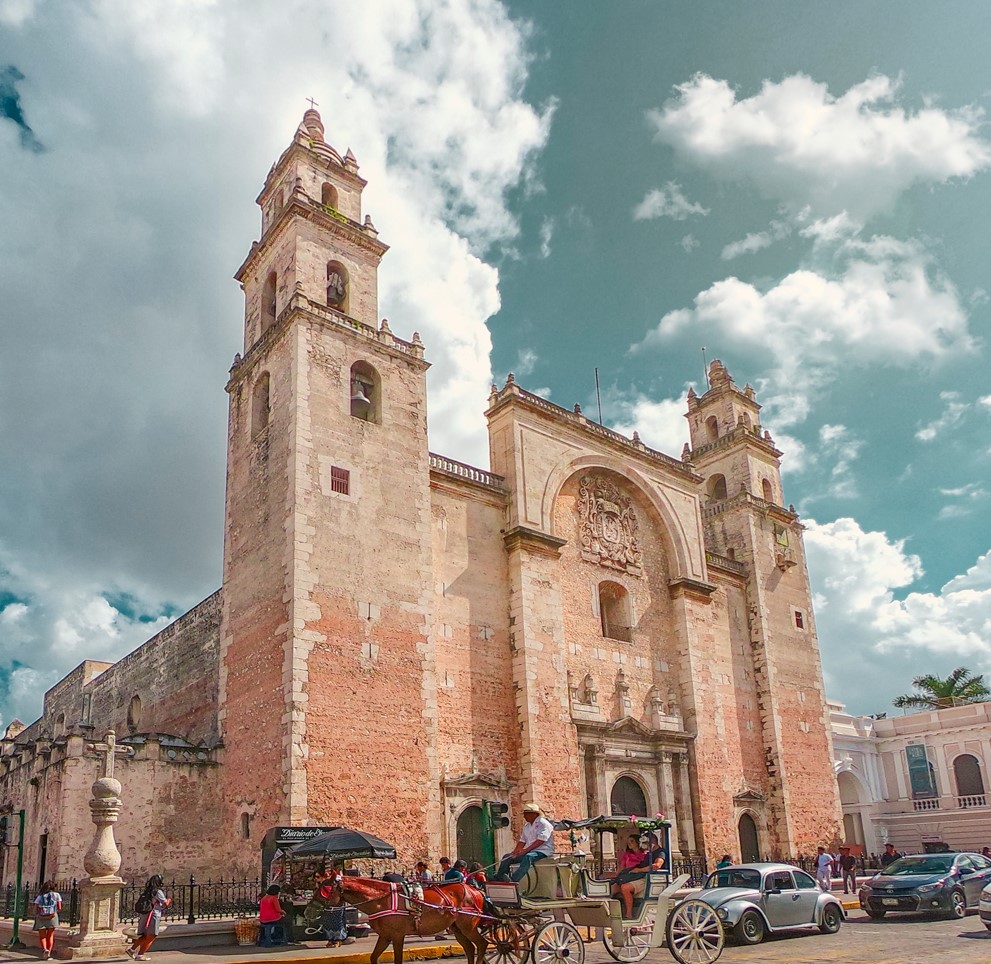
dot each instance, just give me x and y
(400, 637)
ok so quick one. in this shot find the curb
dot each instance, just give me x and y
(364, 957)
(851, 904)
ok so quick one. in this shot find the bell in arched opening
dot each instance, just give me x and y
(361, 404)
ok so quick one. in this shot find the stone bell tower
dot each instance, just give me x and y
(324, 640)
(745, 519)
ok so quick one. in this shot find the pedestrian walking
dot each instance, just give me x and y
(46, 907)
(149, 906)
(824, 870)
(848, 870)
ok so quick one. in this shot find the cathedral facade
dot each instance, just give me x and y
(401, 638)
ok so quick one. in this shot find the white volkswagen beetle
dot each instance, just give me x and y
(756, 899)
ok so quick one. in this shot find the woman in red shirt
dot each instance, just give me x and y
(269, 913)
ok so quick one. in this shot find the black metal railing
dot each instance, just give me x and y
(695, 865)
(192, 900)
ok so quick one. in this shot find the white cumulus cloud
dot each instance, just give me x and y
(668, 202)
(875, 637)
(800, 144)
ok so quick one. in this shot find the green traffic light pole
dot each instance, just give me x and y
(15, 938)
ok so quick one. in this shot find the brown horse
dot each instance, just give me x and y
(394, 916)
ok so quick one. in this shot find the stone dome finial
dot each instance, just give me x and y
(718, 375)
(313, 124)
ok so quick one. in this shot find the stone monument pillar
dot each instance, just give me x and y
(99, 936)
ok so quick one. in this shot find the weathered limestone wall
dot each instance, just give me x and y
(363, 662)
(256, 615)
(170, 822)
(476, 729)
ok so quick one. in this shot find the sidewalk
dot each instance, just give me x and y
(416, 949)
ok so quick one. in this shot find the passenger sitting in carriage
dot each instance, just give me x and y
(476, 876)
(631, 882)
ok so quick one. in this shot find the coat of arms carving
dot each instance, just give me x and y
(608, 525)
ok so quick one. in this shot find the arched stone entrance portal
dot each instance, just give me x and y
(749, 840)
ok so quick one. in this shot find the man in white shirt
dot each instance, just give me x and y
(824, 870)
(536, 842)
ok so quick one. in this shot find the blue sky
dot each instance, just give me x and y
(800, 189)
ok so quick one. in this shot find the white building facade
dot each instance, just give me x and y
(918, 781)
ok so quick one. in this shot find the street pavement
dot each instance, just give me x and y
(898, 939)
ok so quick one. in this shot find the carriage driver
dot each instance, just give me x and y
(536, 842)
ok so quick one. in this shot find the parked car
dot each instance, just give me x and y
(984, 906)
(939, 883)
(753, 900)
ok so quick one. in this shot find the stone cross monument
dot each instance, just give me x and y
(100, 892)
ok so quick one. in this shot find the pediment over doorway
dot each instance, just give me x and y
(476, 780)
(748, 797)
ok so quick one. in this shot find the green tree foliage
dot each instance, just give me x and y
(934, 693)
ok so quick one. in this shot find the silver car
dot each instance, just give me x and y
(755, 899)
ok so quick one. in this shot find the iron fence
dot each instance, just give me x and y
(192, 900)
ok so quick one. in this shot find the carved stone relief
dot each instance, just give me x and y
(608, 530)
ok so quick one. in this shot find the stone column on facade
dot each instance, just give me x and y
(686, 825)
(98, 936)
(668, 801)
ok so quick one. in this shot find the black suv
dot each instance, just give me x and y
(937, 883)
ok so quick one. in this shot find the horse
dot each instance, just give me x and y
(394, 915)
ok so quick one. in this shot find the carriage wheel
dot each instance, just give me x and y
(558, 942)
(637, 943)
(694, 933)
(509, 942)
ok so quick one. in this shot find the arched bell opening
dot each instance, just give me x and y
(366, 393)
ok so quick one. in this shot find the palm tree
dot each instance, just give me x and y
(935, 693)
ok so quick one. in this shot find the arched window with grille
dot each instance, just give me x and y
(268, 303)
(627, 799)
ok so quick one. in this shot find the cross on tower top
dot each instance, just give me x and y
(313, 104)
(109, 750)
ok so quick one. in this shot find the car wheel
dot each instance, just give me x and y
(750, 929)
(831, 919)
(875, 914)
(958, 905)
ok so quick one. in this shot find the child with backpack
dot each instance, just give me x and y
(148, 907)
(46, 907)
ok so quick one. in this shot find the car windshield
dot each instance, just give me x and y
(734, 877)
(928, 864)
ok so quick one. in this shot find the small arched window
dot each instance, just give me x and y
(716, 487)
(766, 488)
(615, 612)
(60, 724)
(245, 825)
(366, 393)
(134, 712)
(328, 195)
(260, 405)
(712, 428)
(268, 303)
(627, 799)
(337, 286)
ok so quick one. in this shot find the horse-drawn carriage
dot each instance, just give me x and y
(540, 916)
